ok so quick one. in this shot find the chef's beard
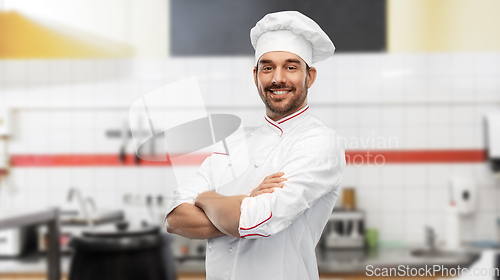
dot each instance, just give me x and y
(293, 104)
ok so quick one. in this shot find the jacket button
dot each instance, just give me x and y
(229, 163)
(256, 165)
(230, 250)
(210, 248)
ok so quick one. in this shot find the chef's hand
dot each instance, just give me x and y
(268, 184)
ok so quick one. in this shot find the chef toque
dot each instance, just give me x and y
(293, 32)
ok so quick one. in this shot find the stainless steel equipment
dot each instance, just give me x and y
(344, 230)
(49, 217)
(12, 242)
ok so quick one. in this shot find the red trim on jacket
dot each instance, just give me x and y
(275, 126)
(224, 154)
(255, 234)
(241, 228)
(298, 113)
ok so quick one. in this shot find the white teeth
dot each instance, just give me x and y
(280, 92)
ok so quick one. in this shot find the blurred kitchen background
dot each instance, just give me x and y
(414, 88)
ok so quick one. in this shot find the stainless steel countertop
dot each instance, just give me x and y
(29, 265)
(346, 261)
(38, 264)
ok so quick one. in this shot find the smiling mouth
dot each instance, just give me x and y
(279, 93)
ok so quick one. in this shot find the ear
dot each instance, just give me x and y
(255, 76)
(311, 76)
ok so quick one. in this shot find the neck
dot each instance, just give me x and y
(276, 117)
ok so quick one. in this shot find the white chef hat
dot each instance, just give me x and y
(293, 32)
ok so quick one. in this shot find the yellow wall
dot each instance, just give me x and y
(443, 25)
(83, 28)
(21, 37)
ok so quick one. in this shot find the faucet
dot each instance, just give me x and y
(74, 191)
(430, 238)
(91, 201)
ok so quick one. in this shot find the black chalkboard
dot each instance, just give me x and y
(222, 27)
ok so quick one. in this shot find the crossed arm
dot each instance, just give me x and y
(213, 214)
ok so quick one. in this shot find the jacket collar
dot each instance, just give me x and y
(285, 123)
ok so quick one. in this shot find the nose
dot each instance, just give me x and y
(279, 76)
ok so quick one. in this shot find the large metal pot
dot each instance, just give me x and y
(141, 253)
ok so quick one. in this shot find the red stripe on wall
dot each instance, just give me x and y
(375, 157)
(97, 160)
(372, 157)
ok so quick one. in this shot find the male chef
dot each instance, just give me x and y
(266, 222)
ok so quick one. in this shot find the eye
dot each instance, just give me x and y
(291, 68)
(267, 68)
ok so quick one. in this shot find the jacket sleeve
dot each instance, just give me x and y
(187, 193)
(314, 167)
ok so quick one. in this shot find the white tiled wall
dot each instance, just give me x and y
(422, 101)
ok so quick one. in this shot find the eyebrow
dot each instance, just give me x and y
(290, 60)
(293, 61)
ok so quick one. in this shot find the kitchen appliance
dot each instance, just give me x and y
(344, 230)
(15, 242)
(463, 193)
(72, 223)
(11, 242)
(492, 139)
(122, 252)
(31, 219)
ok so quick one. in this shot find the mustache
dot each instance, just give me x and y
(278, 87)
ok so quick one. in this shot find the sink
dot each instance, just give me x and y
(429, 253)
(69, 218)
(449, 259)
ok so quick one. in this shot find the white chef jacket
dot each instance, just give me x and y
(279, 230)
